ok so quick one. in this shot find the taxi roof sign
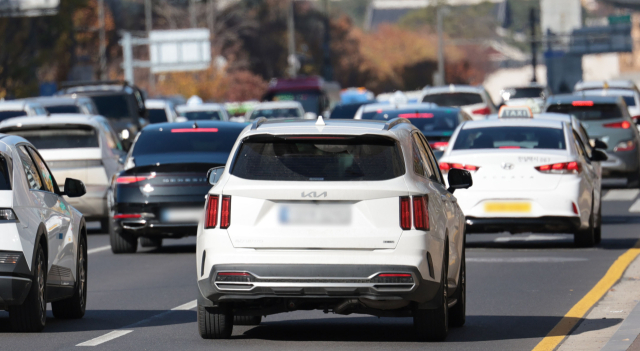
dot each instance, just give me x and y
(515, 112)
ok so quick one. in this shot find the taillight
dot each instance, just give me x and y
(127, 215)
(625, 146)
(560, 168)
(405, 213)
(130, 179)
(482, 111)
(582, 103)
(622, 125)
(211, 215)
(421, 212)
(445, 167)
(575, 208)
(439, 145)
(225, 212)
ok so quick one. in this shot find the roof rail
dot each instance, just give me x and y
(258, 122)
(394, 122)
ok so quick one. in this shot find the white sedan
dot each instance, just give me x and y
(529, 175)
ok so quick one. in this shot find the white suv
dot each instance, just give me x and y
(342, 216)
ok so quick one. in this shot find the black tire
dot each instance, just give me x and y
(247, 320)
(75, 306)
(215, 322)
(121, 242)
(458, 313)
(586, 237)
(598, 229)
(433, 325)
(31, 316)
(151, 242)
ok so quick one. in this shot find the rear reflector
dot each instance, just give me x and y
(421, 212)
(194, 130)
(211, 216)
(582, 103)
(234, 277)
(127, 215)
(394, 275)
(621, 125)
(225, 212)
(405, 213)
(393, 278)
(575, 208)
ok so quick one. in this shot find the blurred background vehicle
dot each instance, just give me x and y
(533, 95)
(16, 108)
(314, 93)
(606, 118)
(278, 110)
(120, 103)
(67, 104)
(160, 111)
(626, 89)
(473, 100)
(160, 193)
(369, 111)
(201, 112)
(356, 95)
(348, 111)
(76, 146)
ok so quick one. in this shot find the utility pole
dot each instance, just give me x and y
(103, 41)
(292, 59)
(127, 57)
(441, 78)
(148, 21)
(534, 45)
(192, 13)
(327, 68)
(212, 7)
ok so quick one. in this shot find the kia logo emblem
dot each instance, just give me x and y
(507, 166)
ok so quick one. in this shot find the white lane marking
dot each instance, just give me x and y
(98, 249)
(621, 195)
(106, 337)
(187, 306)
(525, 259)
(635, 207)
(530, 238)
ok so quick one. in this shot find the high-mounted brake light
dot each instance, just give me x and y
(560, 168)
(509, 147)
(225, 212)
(194, 130)
(421, 212)
(405, 213)
(445, 167)
(482, 111)
(415, 115)
(211, 215)
(582, 103)
(622, 125)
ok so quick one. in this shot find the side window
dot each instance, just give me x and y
(586, 142)
(580, 147)
(33, 179)
(45, 175)
(437, 176)
(420, 152)
(110, 135)
(418, 167)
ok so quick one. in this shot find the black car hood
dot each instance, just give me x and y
(176, 158)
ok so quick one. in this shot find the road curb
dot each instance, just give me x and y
(626, 334)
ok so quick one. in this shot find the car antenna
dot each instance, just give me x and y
(195, 125)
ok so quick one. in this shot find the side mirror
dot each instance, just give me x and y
(599, 156)
(310, 115)
(599, 144)
(459, 179)
(214, 174)
(74, 188)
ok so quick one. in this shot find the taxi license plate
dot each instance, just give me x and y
(519, 207)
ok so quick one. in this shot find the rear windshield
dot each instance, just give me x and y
(523, 93)
(184, 140)
(454, 99)
(113, 106)
(425, 120)
(345, 111)
(202, 115)
(276, 113)
(300, 158)
(59, 138)
(157, 116)
(510, 138)
(8, 114)
(589, 113)
(63, 109)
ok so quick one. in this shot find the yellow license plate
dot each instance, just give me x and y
(520, 207)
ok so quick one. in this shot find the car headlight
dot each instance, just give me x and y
(125, 134)
(7, 214)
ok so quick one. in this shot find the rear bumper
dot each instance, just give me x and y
(154, 228)
(547, 224)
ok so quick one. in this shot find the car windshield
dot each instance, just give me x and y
(310, 100)
(202, 115)
(63, 109)
(510, 138)
(588, 111)
(427, 120)
(454, 99)
(276, 113)
(306, 158)
(157, 115)
(113, 106)
(523, 93)
(62, 138)
(185, 140)
(9, 114)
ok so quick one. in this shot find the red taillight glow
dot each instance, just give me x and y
(405, 213)
(394, 275)
(575, 208)
(439, 145)
(211, 216)
(582, 103)
(482, 111)
(225, 212)
(127, 215)
(622, 125)
(194, 130)
(560, 168)
(445, 167)
(416, 115)
(421, 212)
(130, 179)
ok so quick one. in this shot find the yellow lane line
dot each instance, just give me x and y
(575, 314)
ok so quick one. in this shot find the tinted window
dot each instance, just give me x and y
(9, 114)
(365, 158)
(202, 115)
(183, 141)
(45, 175)
(310, 100)
(59, 138)
(113, 106)
(4, 175)
(157, 116)
(276, 113)
(521, 93)
(345, 111)
(63, 109)
(454, 99)
(425, 120)
(30, 170)
(589, 113)
(510, 138)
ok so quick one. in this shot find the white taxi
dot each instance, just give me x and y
(530, 175)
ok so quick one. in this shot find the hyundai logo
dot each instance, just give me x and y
(507, 166)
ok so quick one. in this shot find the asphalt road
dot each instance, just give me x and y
(519, 287)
